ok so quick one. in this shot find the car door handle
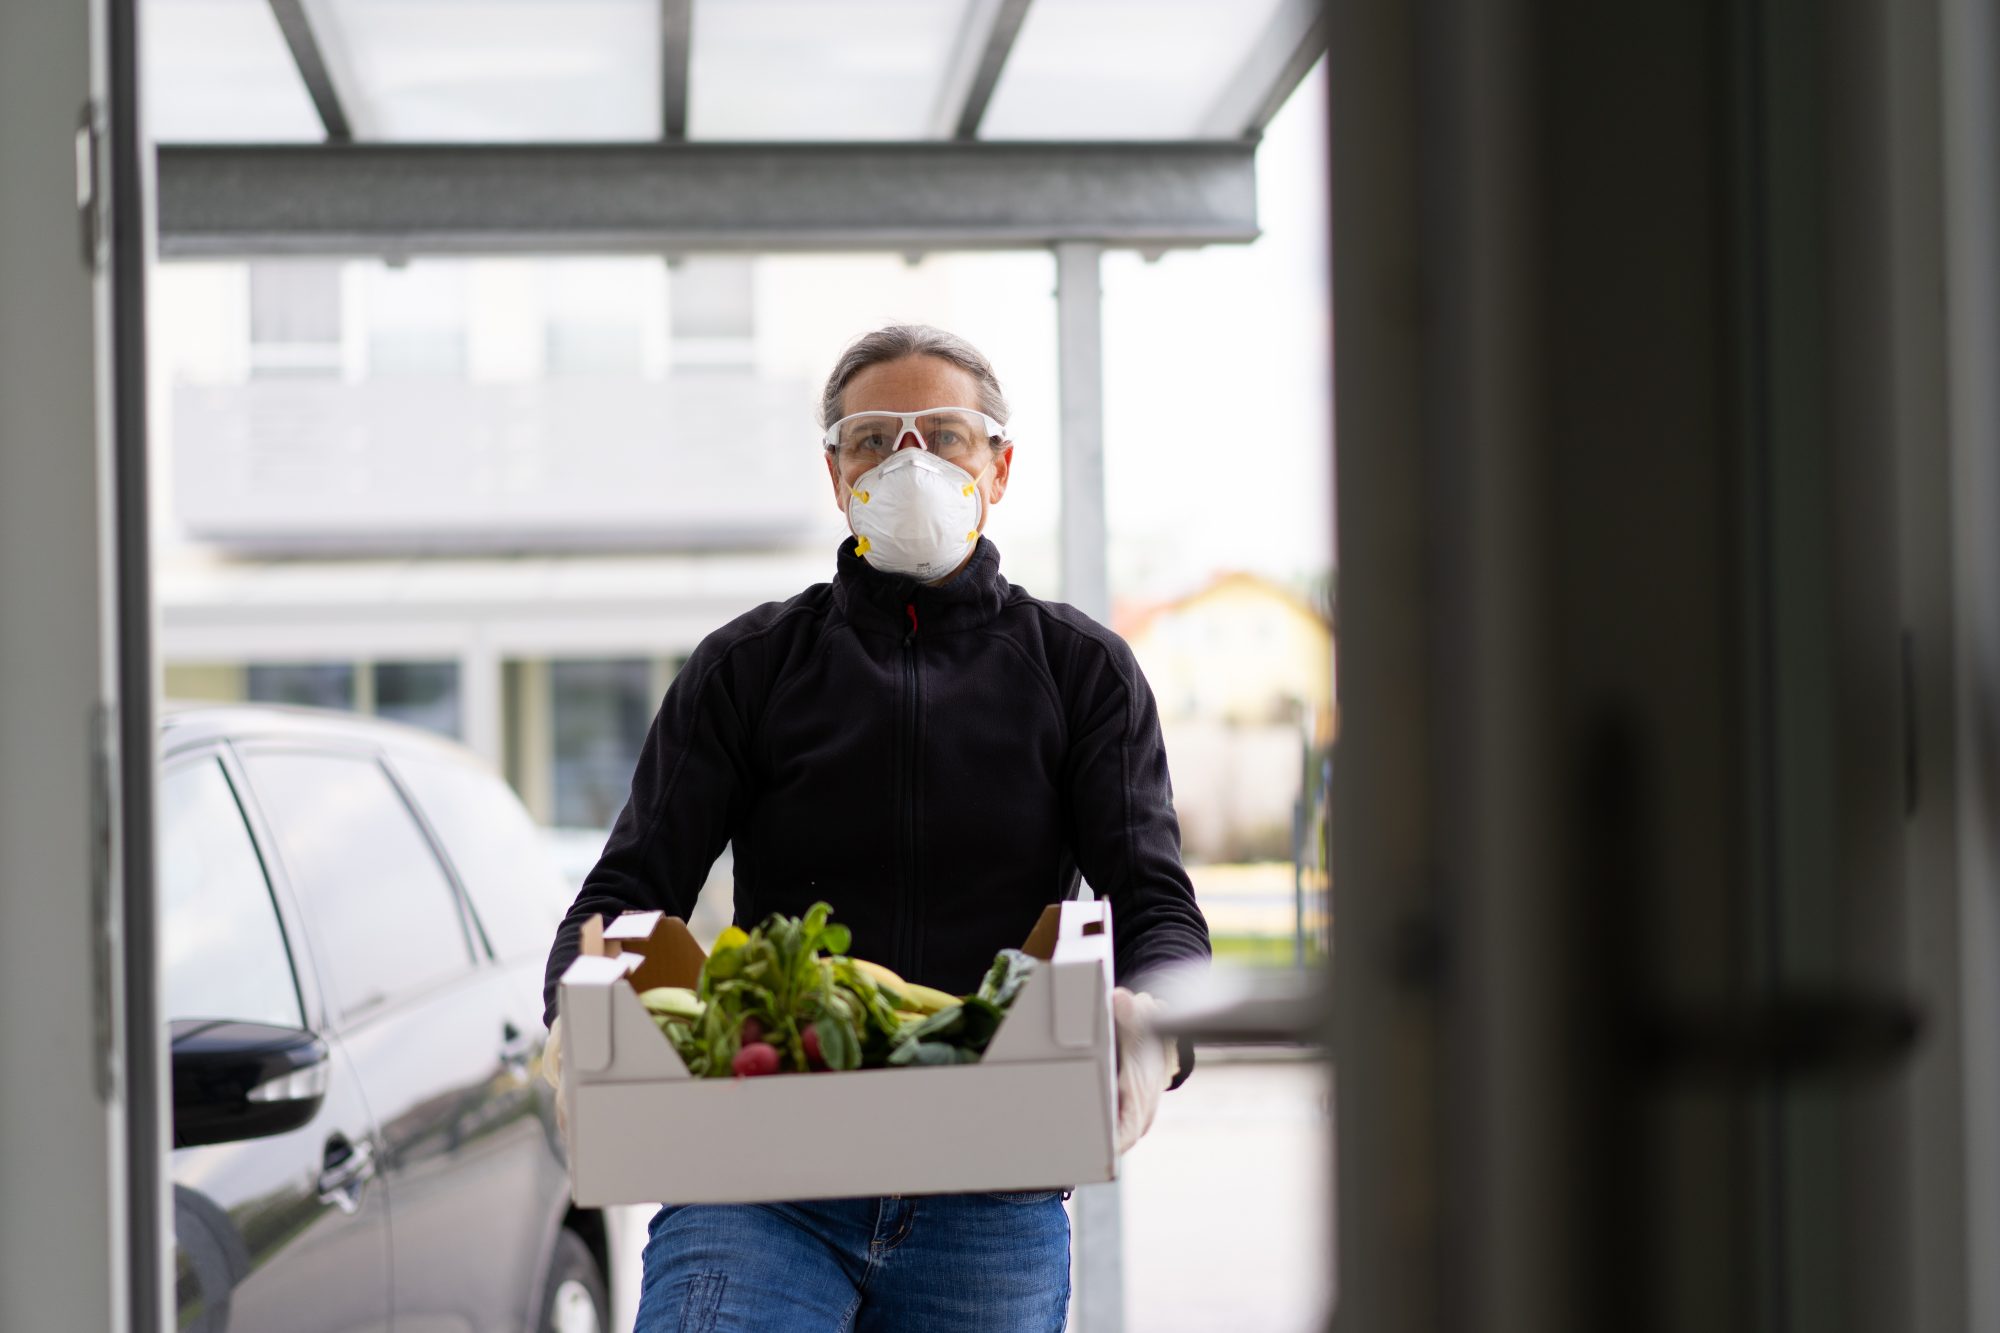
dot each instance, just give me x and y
(349, 1167)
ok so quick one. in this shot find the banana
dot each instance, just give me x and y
(882, 975)
(928, 1000)
(923, 999)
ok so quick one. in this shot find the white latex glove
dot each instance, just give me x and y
(1146, 1063)
(552, 1075)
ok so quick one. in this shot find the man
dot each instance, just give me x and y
(938, 755)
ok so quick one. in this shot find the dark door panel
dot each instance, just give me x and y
(442, 1057)
(262, 1242)
(466, 1156)
(289, 1233)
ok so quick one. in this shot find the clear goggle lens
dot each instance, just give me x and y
(952, 433)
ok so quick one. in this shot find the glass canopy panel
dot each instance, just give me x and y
(807, 69)
(1124, 69)
(218, 71)
(519, 71)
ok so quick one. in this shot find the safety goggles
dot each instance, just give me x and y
(952, 433)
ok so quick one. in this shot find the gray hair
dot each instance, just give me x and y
(896, 341)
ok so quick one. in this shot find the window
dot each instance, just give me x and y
(417, 319)
(315, 684)
(500, 857)
(601, 713)
(294, 319)
(423, 694)
(712, 309)
(596, 311)
(222, 950)
(603, 347)
(384, 919)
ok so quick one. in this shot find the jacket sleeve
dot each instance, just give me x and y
(1128, 838)
(684, 800)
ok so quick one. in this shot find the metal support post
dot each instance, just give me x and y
(1301, 821)
(1098, 1247)
(1097, 1259)
(1080, 357)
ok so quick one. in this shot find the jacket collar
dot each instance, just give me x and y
(878, 601)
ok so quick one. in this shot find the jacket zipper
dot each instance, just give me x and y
(908, 914)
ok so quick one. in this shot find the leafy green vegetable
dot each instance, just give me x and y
(966, 1027)
(791, 976)
(931, 1053)
(838, 1045)
(1010, 971)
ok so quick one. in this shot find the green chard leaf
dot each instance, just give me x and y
(784, 934)
(924, 1053)
(838, 1044)
(1010, 971)
(981, 1020)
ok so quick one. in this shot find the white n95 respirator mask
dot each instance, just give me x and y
(915, 514)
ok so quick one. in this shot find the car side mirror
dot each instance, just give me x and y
(243, 1080)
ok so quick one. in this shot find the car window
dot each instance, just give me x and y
(384, 919)
(500, 858)
(222, 950)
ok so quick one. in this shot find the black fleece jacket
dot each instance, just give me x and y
(939, 764)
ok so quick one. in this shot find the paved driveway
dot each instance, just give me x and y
(1228, 1224)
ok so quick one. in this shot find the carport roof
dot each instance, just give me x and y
(632, 71)
(1128, 122)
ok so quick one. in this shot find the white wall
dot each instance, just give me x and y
(61, 1254)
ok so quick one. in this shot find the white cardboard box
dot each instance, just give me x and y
(1037, 1111)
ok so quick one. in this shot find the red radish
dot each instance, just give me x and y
(756, 1058)
(753, 1029)
(810, 1040)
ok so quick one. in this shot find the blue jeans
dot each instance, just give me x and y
(957, 1262)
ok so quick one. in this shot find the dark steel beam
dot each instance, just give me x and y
(403, 199)
(676, 44)
(988, 37)
(1291, 42)
(306, 54)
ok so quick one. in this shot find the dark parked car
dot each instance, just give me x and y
(355, 916)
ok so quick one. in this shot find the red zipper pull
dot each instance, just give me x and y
(911, 608)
